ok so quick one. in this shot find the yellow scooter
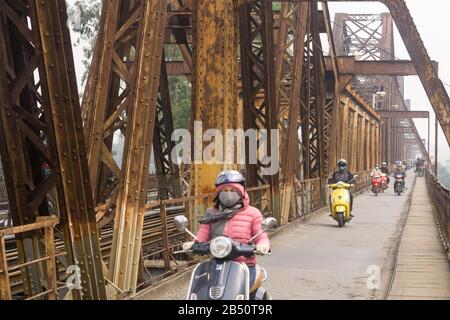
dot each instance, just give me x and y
(340, 202)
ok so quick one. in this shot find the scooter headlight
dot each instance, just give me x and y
(220, 247)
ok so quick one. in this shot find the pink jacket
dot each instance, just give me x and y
(241, 227)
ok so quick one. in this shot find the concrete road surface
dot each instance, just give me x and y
(314, 259)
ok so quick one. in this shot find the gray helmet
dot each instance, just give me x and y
(230, 176)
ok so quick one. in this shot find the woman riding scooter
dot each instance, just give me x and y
(232, 216)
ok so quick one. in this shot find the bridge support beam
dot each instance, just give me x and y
(120, 99)
(257, 70)
(41, 128)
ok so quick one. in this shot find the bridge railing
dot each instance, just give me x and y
(440, 196)
(363, 181)
(3, 194)
(308, 197)
(46, 263)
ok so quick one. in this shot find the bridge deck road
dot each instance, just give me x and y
(423, 269)
(314, 259)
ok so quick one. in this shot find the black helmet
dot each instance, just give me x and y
(230, 176)
(342, 162)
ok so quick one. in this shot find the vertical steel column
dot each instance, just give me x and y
(215, 73)
(258, 69)
(41, 116)
(131, 199)
(318, 83)
(291, 42)
(355, 153)
(121, 103)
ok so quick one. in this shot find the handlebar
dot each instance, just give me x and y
(246, 250)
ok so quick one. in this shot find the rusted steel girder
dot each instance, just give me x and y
(348, 65)
(426, 71)
(315, 97)
(358, 139)
(257, 70)
(140, 126)
(41, 124)
(121, 95)
(214, 85)
(289, 69)
(370, 37)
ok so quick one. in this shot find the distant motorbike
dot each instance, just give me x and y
(399, 184)
(221, 278)
(340, 202)
(420, 171)
(376, 185)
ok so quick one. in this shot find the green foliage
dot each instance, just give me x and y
(84, 19)
(180, 91)
(276, 6)
(180, 95)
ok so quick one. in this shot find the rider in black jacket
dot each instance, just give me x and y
(342, 175)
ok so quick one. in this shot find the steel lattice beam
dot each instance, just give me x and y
(41, 124)
(257, 66)
(289, 68)
(121, 99)
(426, 71)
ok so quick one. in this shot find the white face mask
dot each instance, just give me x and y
(229, 198)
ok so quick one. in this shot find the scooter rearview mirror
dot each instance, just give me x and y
(181, 223)
(270, 224)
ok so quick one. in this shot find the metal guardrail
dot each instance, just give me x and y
(3, 194)
(441, 201)
(163, 238)
(363, 182)
(47, 224)
(309, 197)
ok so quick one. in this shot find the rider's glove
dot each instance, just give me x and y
(187, 246)
(263, 247)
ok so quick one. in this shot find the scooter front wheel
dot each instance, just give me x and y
(267, 296)
(340, 220)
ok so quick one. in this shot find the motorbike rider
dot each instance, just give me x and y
(419, 163)
(342, 175)
(376, 171)
(400, 169)
(385, 170)
(232, 216)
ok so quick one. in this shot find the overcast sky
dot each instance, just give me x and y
(432, 20)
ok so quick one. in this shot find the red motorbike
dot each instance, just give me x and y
(376, 185)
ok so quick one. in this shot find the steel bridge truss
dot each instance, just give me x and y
(251, 66)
